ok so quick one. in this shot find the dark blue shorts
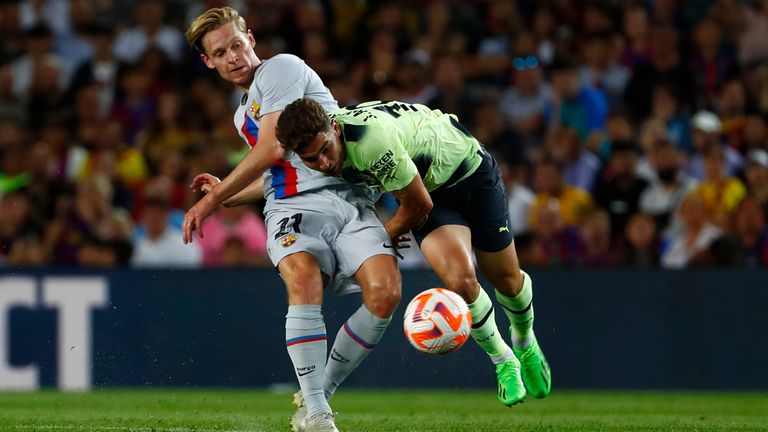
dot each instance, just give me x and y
(478, 202)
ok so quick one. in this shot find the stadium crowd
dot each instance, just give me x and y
(629, 133)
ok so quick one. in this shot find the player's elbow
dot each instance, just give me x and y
(420, 211)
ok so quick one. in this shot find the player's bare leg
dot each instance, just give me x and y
(514, 290)
(448, 249)
(305, 334)
(379, 279)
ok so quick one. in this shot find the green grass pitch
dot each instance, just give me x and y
(204, 410)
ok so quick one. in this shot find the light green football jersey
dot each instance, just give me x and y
(389, 143)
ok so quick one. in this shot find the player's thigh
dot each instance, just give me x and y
(299, 227)
(448, 250)
(362, 238)
(303, 278)
(487, 212)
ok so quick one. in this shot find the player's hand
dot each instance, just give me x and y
(402, 242)
(204, 182)
(193, 219)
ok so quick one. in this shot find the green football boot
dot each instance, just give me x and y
(536, 374)
(511, 388)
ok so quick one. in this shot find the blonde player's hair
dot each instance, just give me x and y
(211, 20)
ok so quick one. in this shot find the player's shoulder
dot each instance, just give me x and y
(359, 128)
(282, 61)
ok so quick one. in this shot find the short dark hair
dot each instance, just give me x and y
(300, 123)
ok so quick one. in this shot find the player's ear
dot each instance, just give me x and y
(207, 61)
(251, 39)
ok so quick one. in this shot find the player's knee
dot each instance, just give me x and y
(385, 300)
(464, 284)
(304, 289)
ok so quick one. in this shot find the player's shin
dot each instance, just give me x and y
(519, 310)
(354, 341)
(306, 340)
(485, 332)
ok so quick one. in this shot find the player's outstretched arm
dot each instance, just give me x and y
(415, 205)
(252, 192)
(256, 161)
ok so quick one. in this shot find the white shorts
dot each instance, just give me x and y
(337, 225)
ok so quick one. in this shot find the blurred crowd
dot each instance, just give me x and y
(629, 133)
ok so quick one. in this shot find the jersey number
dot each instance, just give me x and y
(390, 108)
(288, 224)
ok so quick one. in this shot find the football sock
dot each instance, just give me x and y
(306, 341)
(485, 332)
(519, 309)
(354, 341)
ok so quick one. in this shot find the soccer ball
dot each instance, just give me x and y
(437, 321)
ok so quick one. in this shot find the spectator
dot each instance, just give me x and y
(100, 70)
(580, 167)
(600, 69)
(751, 233)
(619, 188)
(90, 216)
(721, 194)
(689, 245)
(451, 94)
(732, 106)
(669, 186)
(642, 242)
(493, 132)
(555, 243)
(524, 103)
(234, 222)
(756, 177)
(666, 66)
(135, 107)
(17, 223)
(133, 42)
(755, 133)
(666, 107)
(519, 197)
(162, 244)
(572, 204)
(575, 105)
(413, 76)
(707, 128)
(711, 62)
(638, 34)
(598, 242)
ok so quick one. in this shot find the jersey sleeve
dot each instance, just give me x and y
(283, 80)
(383, 156)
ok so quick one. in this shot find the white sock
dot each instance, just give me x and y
(354, 341)
(306, 341)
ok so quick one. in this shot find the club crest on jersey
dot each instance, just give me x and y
(288, 240)
(254, 110)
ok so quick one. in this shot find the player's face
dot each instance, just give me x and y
(326, 152)
(230, 52)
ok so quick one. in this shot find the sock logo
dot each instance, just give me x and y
(485, 339)
(338, 357)
(305, 370)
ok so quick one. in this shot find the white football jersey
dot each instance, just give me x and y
(277, 82)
